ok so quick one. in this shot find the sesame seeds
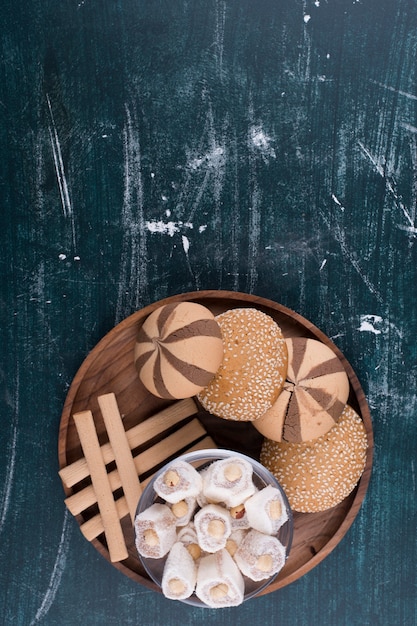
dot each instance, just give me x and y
(253, 369)
(316, 475)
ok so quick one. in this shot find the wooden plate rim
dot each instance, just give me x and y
(363, 484)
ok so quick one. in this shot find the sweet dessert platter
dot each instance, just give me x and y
(231, 518)
(247, 381)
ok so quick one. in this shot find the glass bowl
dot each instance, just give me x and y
(261, 478)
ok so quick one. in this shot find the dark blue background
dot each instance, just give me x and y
(273, 147)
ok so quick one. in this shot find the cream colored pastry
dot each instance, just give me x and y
(155, 531)
(180, 573)
(178, 481)
(213, 527)
(266, 510)
(219, 581)
(313, 397)
(260, 556)
(178, 350)
(229, 481)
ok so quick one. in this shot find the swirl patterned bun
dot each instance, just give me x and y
(253, 368)
(178, 350)
(313, 397)
(317, 475)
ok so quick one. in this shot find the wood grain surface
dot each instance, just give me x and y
(110, 365)
(155, 147)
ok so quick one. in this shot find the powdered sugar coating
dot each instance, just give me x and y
(259, 556)
(158, 524)
(213, 529)
(220, 487)
(187, 484)
(218, 516)
(220, 583)
(266, 510)
(180, 573)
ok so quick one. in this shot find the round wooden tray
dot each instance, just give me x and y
(109, 368)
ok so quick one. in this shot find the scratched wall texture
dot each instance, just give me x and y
(150, 147)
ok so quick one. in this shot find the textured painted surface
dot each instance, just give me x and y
(150, 147)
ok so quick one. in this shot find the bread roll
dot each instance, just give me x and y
(253, 369)
(313, 397)
(178, 350)
(317, 475)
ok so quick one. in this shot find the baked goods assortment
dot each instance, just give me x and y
(191, 378)
(294, 391)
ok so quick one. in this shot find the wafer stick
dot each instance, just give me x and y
(123, 456)
(87, 433)
(73, 473)
(144, 462)
(93, 527)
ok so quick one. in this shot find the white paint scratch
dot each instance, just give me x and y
(57, 571)
(371, 323)
(133, 279)
(337, 201)
(10, 472)
(378, 167)
(254, 230)
(391, 188)
(167, 228)
(12, 451)
(205, 165)
(411, 230)
(305, 54)
(60, 170)
(259, 140)
(410, 96)
(204, 181)
(409, 127)
(185, 244)
(254, 240)
(212, 159)
(186, 247)
(201, 189)
(368, 322)
(217, 167)
(219, 35)
(184, 198)
(236, 229)
(340, 238)
(413, 199)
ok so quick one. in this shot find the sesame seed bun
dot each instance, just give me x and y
(253, 369)
(317, 475)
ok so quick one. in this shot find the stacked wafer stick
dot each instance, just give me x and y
(189, 435)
